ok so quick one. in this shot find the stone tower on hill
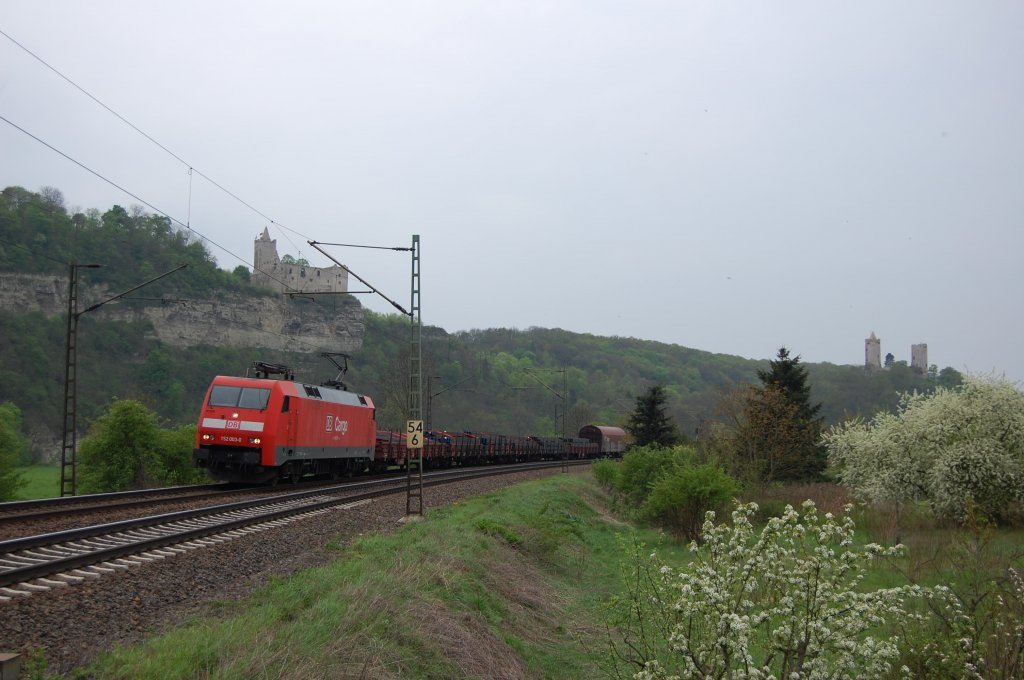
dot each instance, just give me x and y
(873, 352)
(919, 358)
(270, 272)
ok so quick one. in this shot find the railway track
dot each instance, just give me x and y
(19, 511)
(61, 559)
(39, 515)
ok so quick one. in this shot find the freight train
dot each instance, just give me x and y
(270, 428)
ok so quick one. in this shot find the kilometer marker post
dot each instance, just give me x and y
(414, 435)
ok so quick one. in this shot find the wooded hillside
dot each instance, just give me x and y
(503, 380)
(507, 379)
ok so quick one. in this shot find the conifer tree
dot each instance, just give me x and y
(649, 424)
(787, 376)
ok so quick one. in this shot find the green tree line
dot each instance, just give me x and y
(478, 380)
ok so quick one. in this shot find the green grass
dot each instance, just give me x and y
(41, 481)
(503, 584)
(514, 583)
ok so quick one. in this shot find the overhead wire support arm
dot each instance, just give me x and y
(430, 394)
(414, 479)
(131, 290)
(529, 372)
(317, 244)
(69, 437)
(355, 245)
(303, 294)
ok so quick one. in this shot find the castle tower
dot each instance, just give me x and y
(873, 352)
(919, 358)
(265, 261)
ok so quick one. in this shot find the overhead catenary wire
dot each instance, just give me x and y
(297, 248)
(33, 252)
(164, 300)
(363, 281)
(136, 197)
(284, 284)
(188, 215)
(191, 168)
(353, 245)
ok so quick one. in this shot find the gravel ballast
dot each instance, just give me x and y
(76, 623)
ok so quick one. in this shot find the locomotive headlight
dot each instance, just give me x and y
(207, 437)
(255, 440)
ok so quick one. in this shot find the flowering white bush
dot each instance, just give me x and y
(960, 449)
(785, 603)
(972, 638)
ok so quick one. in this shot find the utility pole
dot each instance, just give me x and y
(564, 396)
(428, 419)
(565, 419)
(69, 441)
(414, 481)
(68, 464)
(431, 394)
(414, 425)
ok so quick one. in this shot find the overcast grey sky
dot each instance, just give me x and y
(725, 176)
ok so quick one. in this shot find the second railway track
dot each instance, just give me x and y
(37, 563)
(21, 512)
(20, 518)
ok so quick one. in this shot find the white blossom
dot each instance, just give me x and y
(959, 449)
(781, 603)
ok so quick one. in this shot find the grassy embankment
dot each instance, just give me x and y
(510, 584)
(41, 481)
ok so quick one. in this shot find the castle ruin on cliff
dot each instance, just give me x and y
(288, 277)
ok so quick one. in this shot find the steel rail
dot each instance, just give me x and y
(113, 495)
(15, 511)
(61, 552)
(48, 512)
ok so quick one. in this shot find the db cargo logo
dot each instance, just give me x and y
(232, 424)
(335, 424)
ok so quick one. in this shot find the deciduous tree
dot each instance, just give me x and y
(950, 377)
(679, 499)
(790, 421)
(12, 448)
(960, 449)
(174, 456)
(757, 444)
(120, 451)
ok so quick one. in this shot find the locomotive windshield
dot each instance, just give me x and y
(239, 397)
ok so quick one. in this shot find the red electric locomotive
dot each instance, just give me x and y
(266, 429)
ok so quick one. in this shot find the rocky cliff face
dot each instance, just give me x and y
(277, 323)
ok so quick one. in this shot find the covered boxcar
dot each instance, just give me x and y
(611, 441)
